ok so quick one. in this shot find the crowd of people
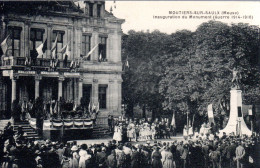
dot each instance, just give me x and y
(199, 152)
(142, 130)
(25, 109)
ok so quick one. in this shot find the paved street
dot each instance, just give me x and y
(106, 140)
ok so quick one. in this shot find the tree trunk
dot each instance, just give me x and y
(130, 110)
(144, 110)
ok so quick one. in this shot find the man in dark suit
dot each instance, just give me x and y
(111, 160)
(230, 153)
(101, 158)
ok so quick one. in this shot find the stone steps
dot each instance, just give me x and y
(100, 132)
(30, 133)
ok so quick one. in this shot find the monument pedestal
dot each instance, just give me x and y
(236, 123)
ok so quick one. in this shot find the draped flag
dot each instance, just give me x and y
(75, 107)
(51, 109)
(100, 56)
(54, 47)
(97, 108)
(41, 48)
(56, 107)
(23, 107)
(65, 51)
(77, 63)
(173, 120)
(127, 64)
(210, 113)
(44, 107)
(51, 64)
(56, 63)
(250, 111)
(92, 50)
(71, 64)
(5, 44)
(89, 107)
(93, 107)
(27, 61)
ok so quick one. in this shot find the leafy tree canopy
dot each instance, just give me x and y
(186, 71)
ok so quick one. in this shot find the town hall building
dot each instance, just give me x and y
(91, 71)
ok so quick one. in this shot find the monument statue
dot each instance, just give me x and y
(236, 124)
(236, 80)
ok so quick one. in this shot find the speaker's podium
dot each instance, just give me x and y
(236, 123)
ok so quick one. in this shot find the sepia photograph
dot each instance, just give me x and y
(129, 84)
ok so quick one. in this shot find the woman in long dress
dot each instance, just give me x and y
(74, 161)
(185, 133)
(168, 159)
(132, 131)
(153, 131)
(117, 133)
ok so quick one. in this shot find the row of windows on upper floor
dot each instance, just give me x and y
(37, 38)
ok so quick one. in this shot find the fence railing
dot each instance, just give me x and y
(41, 62)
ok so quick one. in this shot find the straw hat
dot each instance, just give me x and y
(74, 148)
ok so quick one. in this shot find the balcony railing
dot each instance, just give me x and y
(39, 62)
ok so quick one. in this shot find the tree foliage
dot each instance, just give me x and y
(186, 71)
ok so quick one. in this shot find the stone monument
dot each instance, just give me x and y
(236, 123)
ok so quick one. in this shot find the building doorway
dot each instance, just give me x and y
(49, 88)
(86, 96)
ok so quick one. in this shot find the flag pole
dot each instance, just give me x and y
(193, 120)
(42, 53)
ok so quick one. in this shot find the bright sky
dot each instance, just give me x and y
(139, 15)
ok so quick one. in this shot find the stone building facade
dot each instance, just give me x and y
(96, 79)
